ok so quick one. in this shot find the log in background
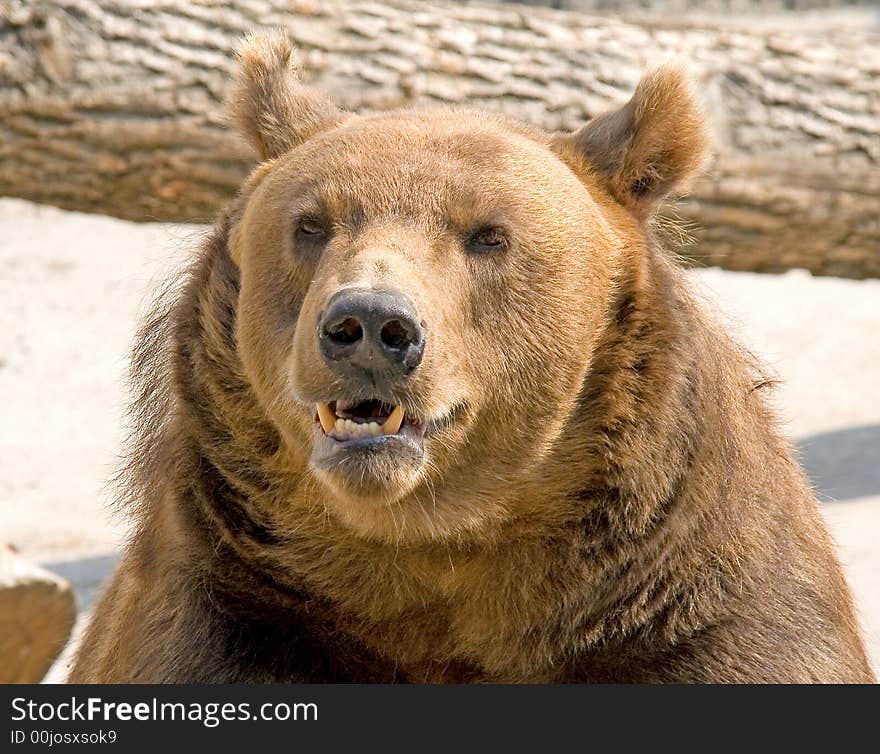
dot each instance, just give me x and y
(116, 106)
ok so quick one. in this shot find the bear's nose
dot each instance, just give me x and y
(371, 331)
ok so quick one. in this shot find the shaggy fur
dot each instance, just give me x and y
(606, 498)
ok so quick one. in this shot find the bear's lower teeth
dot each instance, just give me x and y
(346, 429)
(354, 429)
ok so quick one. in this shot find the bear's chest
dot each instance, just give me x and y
(480, 618)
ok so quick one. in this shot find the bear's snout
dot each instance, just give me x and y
(371, 335)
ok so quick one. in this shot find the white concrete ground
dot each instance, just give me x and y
(71, 288)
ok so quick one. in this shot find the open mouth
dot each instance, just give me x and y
(343, 420)
(372, 444)
(364, 440)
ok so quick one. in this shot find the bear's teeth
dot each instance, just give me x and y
(393, 422)
(353, 430)
(343, 429)
(326, 417)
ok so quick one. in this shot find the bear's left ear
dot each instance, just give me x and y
(270, 106)
(650, 147)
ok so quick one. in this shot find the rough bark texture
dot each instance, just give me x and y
(680, 6)
(114, 106)
(37, 611)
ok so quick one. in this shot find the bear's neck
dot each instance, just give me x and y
(638, 417)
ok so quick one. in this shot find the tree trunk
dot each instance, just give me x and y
(115, 106)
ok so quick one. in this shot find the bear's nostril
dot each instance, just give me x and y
(367, 335)
(346, 332)
(395, 336)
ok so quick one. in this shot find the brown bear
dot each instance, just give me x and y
(433, 405)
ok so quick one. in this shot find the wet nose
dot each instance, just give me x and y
(375, 331)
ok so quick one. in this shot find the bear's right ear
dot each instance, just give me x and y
(270, 106)
(651, 146)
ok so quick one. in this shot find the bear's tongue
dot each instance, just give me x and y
(345, 419)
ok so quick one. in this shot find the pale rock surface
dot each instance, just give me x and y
(37, 612)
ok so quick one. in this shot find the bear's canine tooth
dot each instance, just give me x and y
(393, 422)
(326, 417)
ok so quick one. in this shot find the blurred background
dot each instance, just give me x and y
(114, 155)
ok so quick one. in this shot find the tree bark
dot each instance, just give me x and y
(115, 106)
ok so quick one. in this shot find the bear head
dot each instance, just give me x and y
(422, 291)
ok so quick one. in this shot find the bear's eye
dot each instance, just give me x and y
(486, 241)
(310, 228)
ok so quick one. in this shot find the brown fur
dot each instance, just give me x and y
(610, 499)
